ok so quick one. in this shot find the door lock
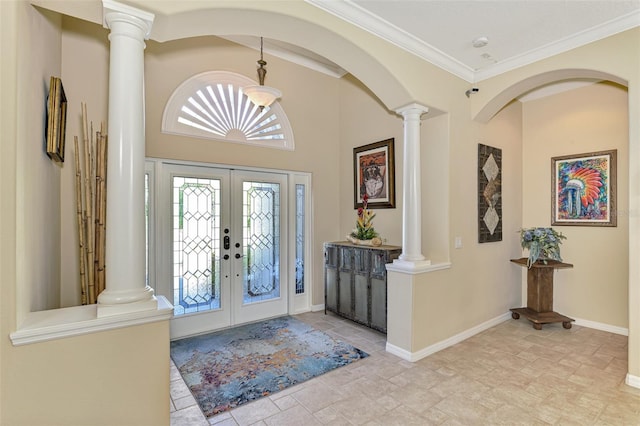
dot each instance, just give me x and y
(227, 242)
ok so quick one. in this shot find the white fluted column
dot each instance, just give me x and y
(126, 289)
(411, 190)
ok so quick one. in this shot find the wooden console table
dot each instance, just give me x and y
(539, 308)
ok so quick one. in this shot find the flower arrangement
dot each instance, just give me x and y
(542, 243)
(364, 230)
(364, 226)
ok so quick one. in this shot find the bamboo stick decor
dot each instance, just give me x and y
(101, 209)
(91, 208)
(81, 225)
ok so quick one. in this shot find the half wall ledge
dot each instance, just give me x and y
(78, 320)
(414, 268)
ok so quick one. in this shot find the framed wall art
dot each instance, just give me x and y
(489, 194)
(56, 120)
(583, 189)
(374, 175)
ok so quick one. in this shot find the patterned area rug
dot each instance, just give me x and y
(229, 368)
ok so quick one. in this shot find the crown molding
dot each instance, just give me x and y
(607, 29)
(360, 17)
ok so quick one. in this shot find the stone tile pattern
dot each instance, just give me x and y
(510, 374)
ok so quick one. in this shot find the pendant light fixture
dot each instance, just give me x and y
(262, 95)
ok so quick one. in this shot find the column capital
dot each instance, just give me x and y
(112, 10)
(412, 109)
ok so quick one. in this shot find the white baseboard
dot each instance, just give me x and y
(317, 308)
(399, 352)
(416, 356)
(425, 352)
(633, 381)
(602, 327)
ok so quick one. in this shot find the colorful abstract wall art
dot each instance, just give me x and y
(583, 189)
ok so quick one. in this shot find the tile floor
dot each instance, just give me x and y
(510, 374)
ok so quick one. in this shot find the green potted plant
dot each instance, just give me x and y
(543, 244)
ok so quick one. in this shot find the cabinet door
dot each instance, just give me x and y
(344, 294)
(361, 301)
(361, 285)
(331, 277)
(345, 286)
(331, 287)
(378, 261)
(379, 304)
(379, 290)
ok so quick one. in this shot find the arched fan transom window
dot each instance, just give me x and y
(212, 105)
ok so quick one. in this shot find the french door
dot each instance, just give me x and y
(228, 247)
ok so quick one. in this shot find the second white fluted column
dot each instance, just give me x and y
(411, 192)
(126, 289)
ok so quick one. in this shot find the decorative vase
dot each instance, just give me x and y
(374, 242)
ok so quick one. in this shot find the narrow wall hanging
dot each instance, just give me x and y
(56, 120)
(489, 194)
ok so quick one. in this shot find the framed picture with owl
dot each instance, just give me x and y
(374, 175)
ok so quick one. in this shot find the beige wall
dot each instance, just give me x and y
(8, 124)
(310, 100)
(363, 120)
(107, 378)
(86, 77)
(38, 225)
(167, 65)
(614, 58)
(482, 284)
(345, 114)
(593, 118)
(118, 377)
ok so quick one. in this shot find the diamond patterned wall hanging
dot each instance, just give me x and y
(489, 194)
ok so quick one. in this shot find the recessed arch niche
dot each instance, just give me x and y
(526, 85)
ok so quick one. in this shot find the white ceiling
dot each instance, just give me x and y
(518, 31)
(442, 31)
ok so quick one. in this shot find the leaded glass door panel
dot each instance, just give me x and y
(227, 239)
(197, 251)
(260, 288)
(200, 274)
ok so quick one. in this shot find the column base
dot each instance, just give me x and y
(409, 266)
(412, 257)
(126, 301)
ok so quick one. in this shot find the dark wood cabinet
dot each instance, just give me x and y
(355, 282)
(539, 308)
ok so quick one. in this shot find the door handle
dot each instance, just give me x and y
(227, 242)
